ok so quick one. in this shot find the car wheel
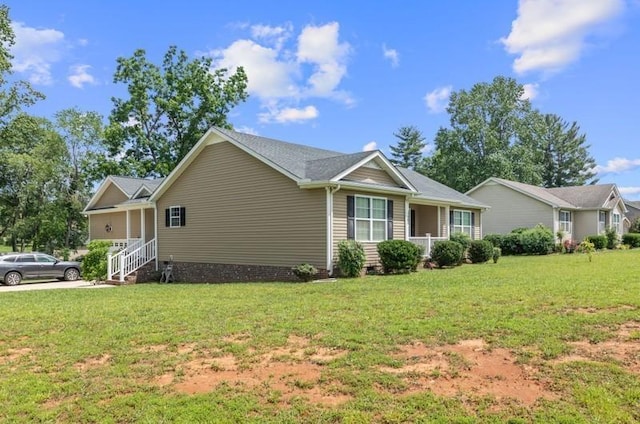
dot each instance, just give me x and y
(71, 274)
(12, 278)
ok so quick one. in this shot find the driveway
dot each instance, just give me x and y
(52, 284)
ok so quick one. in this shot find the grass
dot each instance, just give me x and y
(93, 355)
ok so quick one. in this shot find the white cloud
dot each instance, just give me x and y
(530, 91)
(283, 70)
(626, 191)
(79, 76)
(247, 130)
(83, 42)
(392, 55)
(548, 35)
(438, 99)
(370, 146)
(617, 166)
(35, 51)
(289, 114)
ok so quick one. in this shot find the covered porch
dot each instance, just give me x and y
(427, 224)
(125, 228)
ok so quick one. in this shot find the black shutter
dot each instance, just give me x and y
(450, 222)
(473, 225)
(389, 219)
(167, 217)
(183, 216)
(351, 217)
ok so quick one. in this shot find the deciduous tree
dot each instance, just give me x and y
(168, 108)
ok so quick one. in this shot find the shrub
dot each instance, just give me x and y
(463, 238)
(538, 240)
(635, 225)
(480, 251)
(569, 246)
(631, 239)
(612, 238)
(494, 239)
(305, 272)
(587, 247)
(94, 263)
(599, 241)
(447, 253)
(351, 258)
(497, 252)
(399, 256)
(512, 244)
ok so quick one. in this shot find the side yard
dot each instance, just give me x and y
(529, 339)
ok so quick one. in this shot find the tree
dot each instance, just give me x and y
(33, 160)
(566, 160)
(17, 94)
(168, 109)
(409, 151)
(486, 123)
(82, 133)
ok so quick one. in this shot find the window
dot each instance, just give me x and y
(46, 259)
(565, 221)
(25, 258)
(602, 221)
(175, 216)
(616, 222)
(371, 218)
(462, 222)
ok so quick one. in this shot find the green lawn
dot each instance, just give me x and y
(137, 353)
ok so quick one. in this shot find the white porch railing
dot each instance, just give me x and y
(427, 242)
(119, 244)
(130, 259)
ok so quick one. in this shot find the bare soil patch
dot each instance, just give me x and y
(469, 368)
(93, 362)
(291, 371)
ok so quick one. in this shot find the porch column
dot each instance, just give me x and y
(142, 226)
(155, 233)
(407, 218)
(128, 226)
(448, 221)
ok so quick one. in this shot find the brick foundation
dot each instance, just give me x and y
(190, 272)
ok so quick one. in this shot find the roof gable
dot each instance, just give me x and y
(130, 187)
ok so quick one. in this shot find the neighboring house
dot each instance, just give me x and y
(633, 210)
(577, 211)
(240, 207)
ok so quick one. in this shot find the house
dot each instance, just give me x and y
(240, 207)
(633, 210)
(575, 211)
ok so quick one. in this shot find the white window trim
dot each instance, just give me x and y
(462, 228)
(371, 219)
(172, 217)
(616, 221)
(566, 226)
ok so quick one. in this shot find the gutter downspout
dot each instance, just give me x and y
(330, 192)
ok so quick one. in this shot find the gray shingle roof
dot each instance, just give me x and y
(586, 197)
(433, 190)
(327, 168)
(130, 184)
(539, 192)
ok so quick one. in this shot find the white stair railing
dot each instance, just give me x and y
(128, 260)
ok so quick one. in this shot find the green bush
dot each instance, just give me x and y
(612, 238)
(305, 272)
(538, 240)
(494, 239)
(463, 238)
(480, 251)
(447, 253)
(599, 241)
(399, 256)
(631, 239)
(512, 244)
(94, 263)
(351, 258)
(497, 252)
(635, 225)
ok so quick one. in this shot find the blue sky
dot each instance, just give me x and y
(346, 75)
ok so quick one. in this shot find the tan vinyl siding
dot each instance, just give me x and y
(111, 196)
(149, 228)
(584, 223)
(241, 211)
(134, 224)
(340, 222)
(117, 220)
(371, 176)
(511, 209)
(426, 220)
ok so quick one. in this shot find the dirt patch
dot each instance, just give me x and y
(623, 349)
(593, 310)
(468, 368)
(283, 373)
(95, 362)
(13, 355)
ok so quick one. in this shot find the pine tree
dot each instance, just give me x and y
(408, 152)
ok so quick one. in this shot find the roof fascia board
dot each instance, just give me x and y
(351, 185)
